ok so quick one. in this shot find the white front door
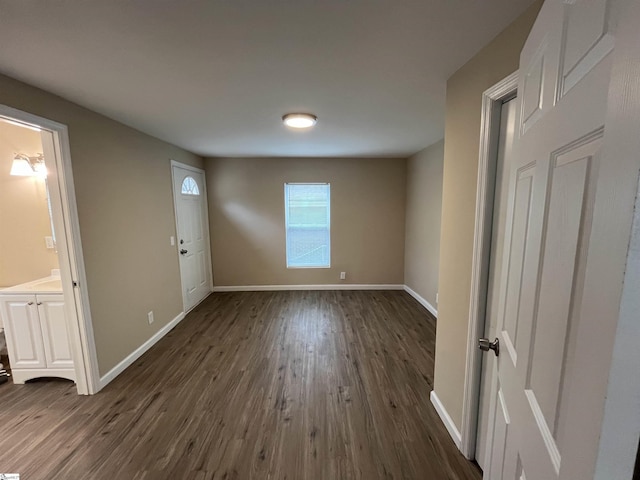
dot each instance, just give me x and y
(564, 259)
(193, 234)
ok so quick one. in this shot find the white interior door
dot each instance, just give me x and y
(500, 199)
(193, 234)
(562, 268)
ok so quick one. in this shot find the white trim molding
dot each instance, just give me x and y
(492, 101)
(446, 418)
(271, 288)
(138, 352)
(421, 300)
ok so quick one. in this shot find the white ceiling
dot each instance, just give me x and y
(215, 76)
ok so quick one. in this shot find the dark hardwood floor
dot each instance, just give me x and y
(265, 385)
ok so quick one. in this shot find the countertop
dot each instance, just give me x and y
(51, 284)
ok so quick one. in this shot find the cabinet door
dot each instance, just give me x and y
(55, 337)
(22, 328)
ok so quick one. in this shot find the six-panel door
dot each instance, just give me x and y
(564, 261)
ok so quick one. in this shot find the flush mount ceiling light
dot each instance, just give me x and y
(299, 120)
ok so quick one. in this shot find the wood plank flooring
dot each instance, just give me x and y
(252, 385)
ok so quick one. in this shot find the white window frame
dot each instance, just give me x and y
(286, 224)
(195, 190)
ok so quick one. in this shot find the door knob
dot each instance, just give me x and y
(485, 345)
(183, 251)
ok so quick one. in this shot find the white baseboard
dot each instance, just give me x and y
(138, 352)
(446, 419)
(422, 301)
(338, 286)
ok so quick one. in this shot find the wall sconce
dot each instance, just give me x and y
(26, 166)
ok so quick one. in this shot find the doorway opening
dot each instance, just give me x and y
(496, 138)
(44, 310)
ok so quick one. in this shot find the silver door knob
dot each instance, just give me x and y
(183, 251)
(485, 345)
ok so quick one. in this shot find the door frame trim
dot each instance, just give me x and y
(492, 100)
(71, 258)
(175, 163)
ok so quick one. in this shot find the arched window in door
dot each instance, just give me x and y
(190, 187)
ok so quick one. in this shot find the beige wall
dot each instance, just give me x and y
(125, 204)
(424, 211)
(246, 210)
(24, 214)
(462, 132)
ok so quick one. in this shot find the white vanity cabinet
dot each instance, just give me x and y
(37, 339)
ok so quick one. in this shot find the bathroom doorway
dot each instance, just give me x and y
(43, 300)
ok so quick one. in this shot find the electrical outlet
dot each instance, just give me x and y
(49, 242)
(150, 317)
(436, 298)
(172, 240)
(343, 275)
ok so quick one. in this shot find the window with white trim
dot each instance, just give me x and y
(307, 209)
(189, 187)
